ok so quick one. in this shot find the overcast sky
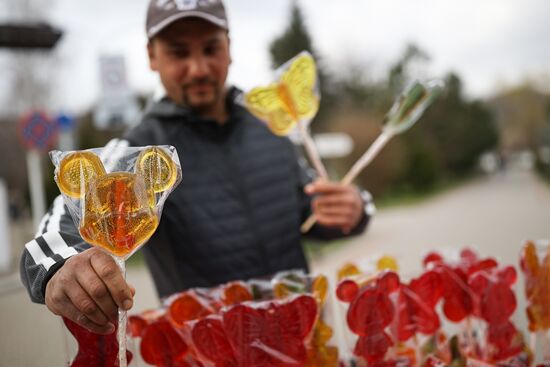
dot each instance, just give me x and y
(489, 43)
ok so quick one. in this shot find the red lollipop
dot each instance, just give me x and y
(415, 306)
(369, 313)
(272, 334)
(188, 306)
(162, 346)
(94, 349)
(209, 339)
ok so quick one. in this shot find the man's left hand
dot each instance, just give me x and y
(336, 205)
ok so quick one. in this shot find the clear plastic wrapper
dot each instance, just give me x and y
(115, 199)
(117, 206)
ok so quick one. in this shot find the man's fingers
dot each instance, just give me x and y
(341, 199)
(325, 187)
(72, 313)
(111, 275)
(85, 304)
(98, 292)
(333, 220)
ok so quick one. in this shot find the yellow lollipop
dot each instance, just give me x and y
(76, 171)
(157, 169)
(347, 270)
(320, 288)
(289, 100)
(387, 263)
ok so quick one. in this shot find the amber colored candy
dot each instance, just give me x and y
(157, 168)
(187, 306)
(280, 291)
(117, 215)
(76, 171)
(235, 292)
(319, 288)
(319, 354)
(387, 263)
(348, 270)
(537, 286)
(94, 349)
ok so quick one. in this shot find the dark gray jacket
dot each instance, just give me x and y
(235, 215)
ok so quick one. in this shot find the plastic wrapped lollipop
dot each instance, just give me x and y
(256, 334)
(288, 283)
(404, 113)
(293, 99)
(535, 265)
(117, 207)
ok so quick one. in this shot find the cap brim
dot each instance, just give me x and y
(153, 31)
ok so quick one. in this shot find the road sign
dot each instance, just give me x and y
(333, 145)
(37, 131)
(118, 106)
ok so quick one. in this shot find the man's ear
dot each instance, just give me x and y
(151, 54)
(229, 49)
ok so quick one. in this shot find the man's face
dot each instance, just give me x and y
(192, 59)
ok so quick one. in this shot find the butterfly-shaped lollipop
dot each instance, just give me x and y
(404, 113)
(291, 100)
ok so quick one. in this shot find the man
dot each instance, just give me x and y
(237, 212)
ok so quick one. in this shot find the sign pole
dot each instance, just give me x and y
(5, 241)
(36, 187)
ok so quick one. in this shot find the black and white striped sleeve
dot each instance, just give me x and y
(57, 238)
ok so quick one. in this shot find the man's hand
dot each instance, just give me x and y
(336, 205)
(88, 289)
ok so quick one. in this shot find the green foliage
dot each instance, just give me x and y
(445, 145)
(294, 40)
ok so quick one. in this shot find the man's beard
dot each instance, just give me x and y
(202, 105)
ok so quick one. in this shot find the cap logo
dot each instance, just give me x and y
(183, 4)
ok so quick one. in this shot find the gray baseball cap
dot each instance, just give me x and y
(162, 13)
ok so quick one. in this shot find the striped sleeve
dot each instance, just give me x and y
(57, 237)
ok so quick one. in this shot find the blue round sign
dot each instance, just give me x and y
(37, 131)
(65, 122)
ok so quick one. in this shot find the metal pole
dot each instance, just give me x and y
(5, 241)
(36, 186)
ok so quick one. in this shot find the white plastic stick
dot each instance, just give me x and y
(311, 151)
(360, 165)
(122, 320)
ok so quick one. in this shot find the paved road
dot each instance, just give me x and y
(493, 215)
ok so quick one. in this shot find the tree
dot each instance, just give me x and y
(294, 40)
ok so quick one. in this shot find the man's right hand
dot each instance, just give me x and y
(88, 289)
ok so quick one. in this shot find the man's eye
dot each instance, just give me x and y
(211, 50)
(179, 52)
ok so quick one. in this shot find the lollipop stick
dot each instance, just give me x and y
(545, 346)
(367, 157)
(361, 163)
(122, 320)
(533, 344)
(312, 152)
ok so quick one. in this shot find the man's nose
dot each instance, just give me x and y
(198, 67)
